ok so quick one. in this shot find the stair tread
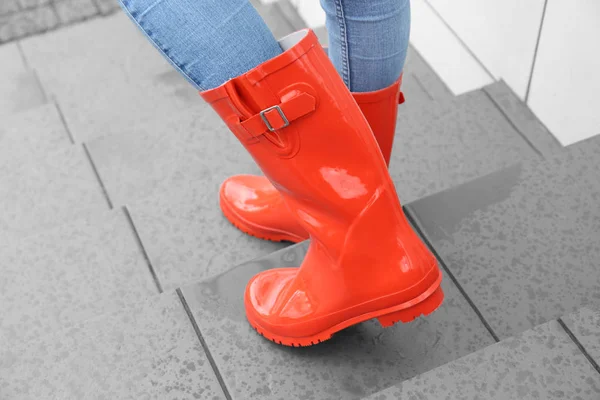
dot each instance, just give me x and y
(523, 118)
(585, 326)
(62, 276)
(540, 363)
(427, 78)
(121, 56)
(188, 239)
(357, 361)
(19, 86)
(433, 144)
(146, 351)
(34, 131)
(171, 180)
(523, 242)
(42, 190)
(450, 141)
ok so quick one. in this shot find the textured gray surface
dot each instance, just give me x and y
(109, 87)
(413, 90)
(450, 142)
(107, 6)
(19, 87)
(19, 18)
(35, 131)
(137, 86)
(523, 242)
(8, 6)
(40, 191)
(436, 147)
(33, 3)
(542, 363)
(147, 352)
(428, 79)
(358, 361)
(193, 148)
(585, 325)
(188, 239)
(75, 10)
(48, 284)
(27, 22)
(523, 118)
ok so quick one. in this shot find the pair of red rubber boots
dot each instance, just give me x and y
(326, 179)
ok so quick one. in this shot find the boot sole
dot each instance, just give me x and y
(257, 231)
(425, 304)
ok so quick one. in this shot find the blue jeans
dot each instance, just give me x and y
(212, 41)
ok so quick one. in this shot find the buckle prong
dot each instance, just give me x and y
(286, 122)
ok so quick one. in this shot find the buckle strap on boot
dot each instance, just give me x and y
(279, 116)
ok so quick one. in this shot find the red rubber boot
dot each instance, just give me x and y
(255, 207)
(301, 125)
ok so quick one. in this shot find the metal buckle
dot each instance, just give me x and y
(281, 114)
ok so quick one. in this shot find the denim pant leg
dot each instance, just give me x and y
(207, 41)
(368, 40)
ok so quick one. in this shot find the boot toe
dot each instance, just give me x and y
(274, 301)
(247, 194)
(254, 206)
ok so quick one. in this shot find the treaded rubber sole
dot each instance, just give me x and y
(426, 304)
(255, 230)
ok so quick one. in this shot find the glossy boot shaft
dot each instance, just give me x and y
(301, 125)
(255, 207)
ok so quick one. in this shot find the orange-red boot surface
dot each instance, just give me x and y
(301, 125)
(253, 205)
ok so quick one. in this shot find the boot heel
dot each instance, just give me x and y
(426, 307)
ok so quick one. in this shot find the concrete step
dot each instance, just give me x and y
(518, 250)
(522, 242)
(171, 180)
(420, 82)
(522, 118)
(122, 83)
(115, 82)
(20, 87)
(356, 362)
(37, 180)
(364, 359)
(584, 326)
(36, 131)
(543, 362)
(62, 276)
(40, 191)
(444, 143)
(147, 351)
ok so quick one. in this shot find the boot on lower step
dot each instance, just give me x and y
(302, 127)
(255, 207)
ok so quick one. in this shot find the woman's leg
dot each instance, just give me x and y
(368, 40)
(208, 41)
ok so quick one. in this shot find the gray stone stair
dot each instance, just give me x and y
(20, 88)
(541, 363)
(518, 248)
(444, 143)
(109, 206)
(148, 351)
(63, 179)
(358, 361)
(36, 131)
(66, 275)
(584, 327)
(523, 241)
(170, 182)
